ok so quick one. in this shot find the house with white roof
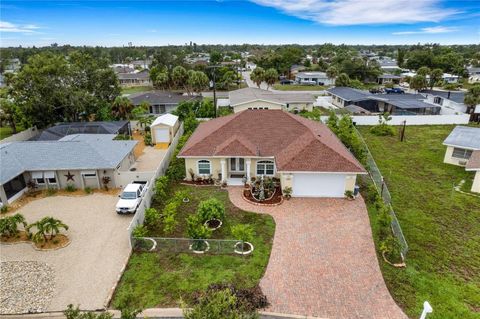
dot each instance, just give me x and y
(317, 78)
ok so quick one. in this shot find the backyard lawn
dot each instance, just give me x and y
(6, 131)
(163, 279)
(441, 226)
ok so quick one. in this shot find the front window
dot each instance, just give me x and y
(129, 195)
(204, 167)
(38, 178)
(461, 153)
(265, 168)
(437, 100)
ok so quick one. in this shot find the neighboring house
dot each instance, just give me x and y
(463, 149)
(160, 102)
(473, 71)
(254, 98)
(388, 65)
(122, 68)
(396, 104)
(318, 78)
(449, 78)
(143, 64)
(163, 130)
(250, 66)
(81, 160)
(61, 130)
(388, 78)
(450, 101)
(304, 154)
(475, 78)
(141, 78)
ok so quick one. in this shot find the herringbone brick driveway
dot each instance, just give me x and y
(323, 260)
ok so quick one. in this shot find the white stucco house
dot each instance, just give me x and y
(463, 149)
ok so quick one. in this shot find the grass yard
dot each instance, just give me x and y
(298, 87)
(162, 280)
(136, 89)
(442, 226)
(6, 131)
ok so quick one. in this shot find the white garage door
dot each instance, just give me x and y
(318, 185)
(162, 135)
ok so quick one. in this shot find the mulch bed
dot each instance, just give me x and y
(20, 238)
(199, 183)
(59, 241)
(276, 199)
(213, 223)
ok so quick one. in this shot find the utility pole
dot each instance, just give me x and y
(214, 67)
(402, 136)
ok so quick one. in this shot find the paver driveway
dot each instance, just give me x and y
(86, 270)
(323, 260)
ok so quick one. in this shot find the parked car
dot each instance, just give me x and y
(394, 91)
(131, 197)
(286, 82)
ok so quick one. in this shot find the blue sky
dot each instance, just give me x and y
(115, 23)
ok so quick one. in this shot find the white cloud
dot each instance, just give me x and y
(429, 30)
(15, 28)
(355, 12)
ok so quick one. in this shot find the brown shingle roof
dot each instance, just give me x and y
(296, 143)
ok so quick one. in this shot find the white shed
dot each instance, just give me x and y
(163, 129)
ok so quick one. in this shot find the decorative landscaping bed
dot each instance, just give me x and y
(203, 182)
(59, 241)
(275, 199)
(22, 237)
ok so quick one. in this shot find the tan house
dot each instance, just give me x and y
(258, 99)
(302, 153)
(463, 149)
(79, 160)
(163, 130)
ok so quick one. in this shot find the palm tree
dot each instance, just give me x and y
(47, 227)
(270, 76)
(9, 225)
(122, 107)
(258, 75)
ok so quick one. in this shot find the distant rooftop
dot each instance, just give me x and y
(159, 97)
(251, 94)
(457, 96)
(60, 130)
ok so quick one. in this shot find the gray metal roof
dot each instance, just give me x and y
(81, 151)
(350, 94)
(143, 75)
(63, 129)
(252, 94)
(457, 97)
(464, 136)
(159, 97)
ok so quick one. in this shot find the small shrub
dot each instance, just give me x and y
(161, 185)
(382, 130)
(152, 217)
(287, 192)
(349, 194)
(195, 228)
(70, 188)
(210, 209)
(88, 190)
(50, 191)
(147, 139)
(4, 209)
(169, 213)
(140, 231)
(105, 181)
(9, 225)
(243, 232)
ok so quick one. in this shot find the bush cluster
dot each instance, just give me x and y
(382, 130)
(210, 209)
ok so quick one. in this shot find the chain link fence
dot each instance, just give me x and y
(382, 189)
(194, 246)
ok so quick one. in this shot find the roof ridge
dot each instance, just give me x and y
(318, 138)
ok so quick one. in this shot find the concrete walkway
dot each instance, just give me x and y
(323, 262)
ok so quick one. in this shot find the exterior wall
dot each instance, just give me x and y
(256, 104)
(476, 183)
(410, 119)
(449, 159)
(191, 163)
(300, 106)
(286, 180)
(337, 101)
(127, 162)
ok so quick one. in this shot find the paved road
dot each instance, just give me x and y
(86, 270)
(323, 261)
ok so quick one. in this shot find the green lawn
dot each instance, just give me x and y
(442, 227)
(6, 131)
(162, 280)
(136, 89)
(298, 87)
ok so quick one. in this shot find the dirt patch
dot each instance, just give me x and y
(138, 136)
(20, 238)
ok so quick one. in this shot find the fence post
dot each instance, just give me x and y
(383, 185)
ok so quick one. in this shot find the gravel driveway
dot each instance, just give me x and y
(86, 270)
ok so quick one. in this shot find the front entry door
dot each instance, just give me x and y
(237, 164)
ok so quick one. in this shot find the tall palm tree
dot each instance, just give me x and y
(122, 108)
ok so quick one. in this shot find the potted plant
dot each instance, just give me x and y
(244, 233)
(287, 192)
(211, 212)
(349, 195)
(198, 233)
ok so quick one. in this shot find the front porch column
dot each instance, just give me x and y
(247, 166)
(3, 196)
(223, 164)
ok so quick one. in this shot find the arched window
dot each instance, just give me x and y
(204, 167)
(265, 168)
